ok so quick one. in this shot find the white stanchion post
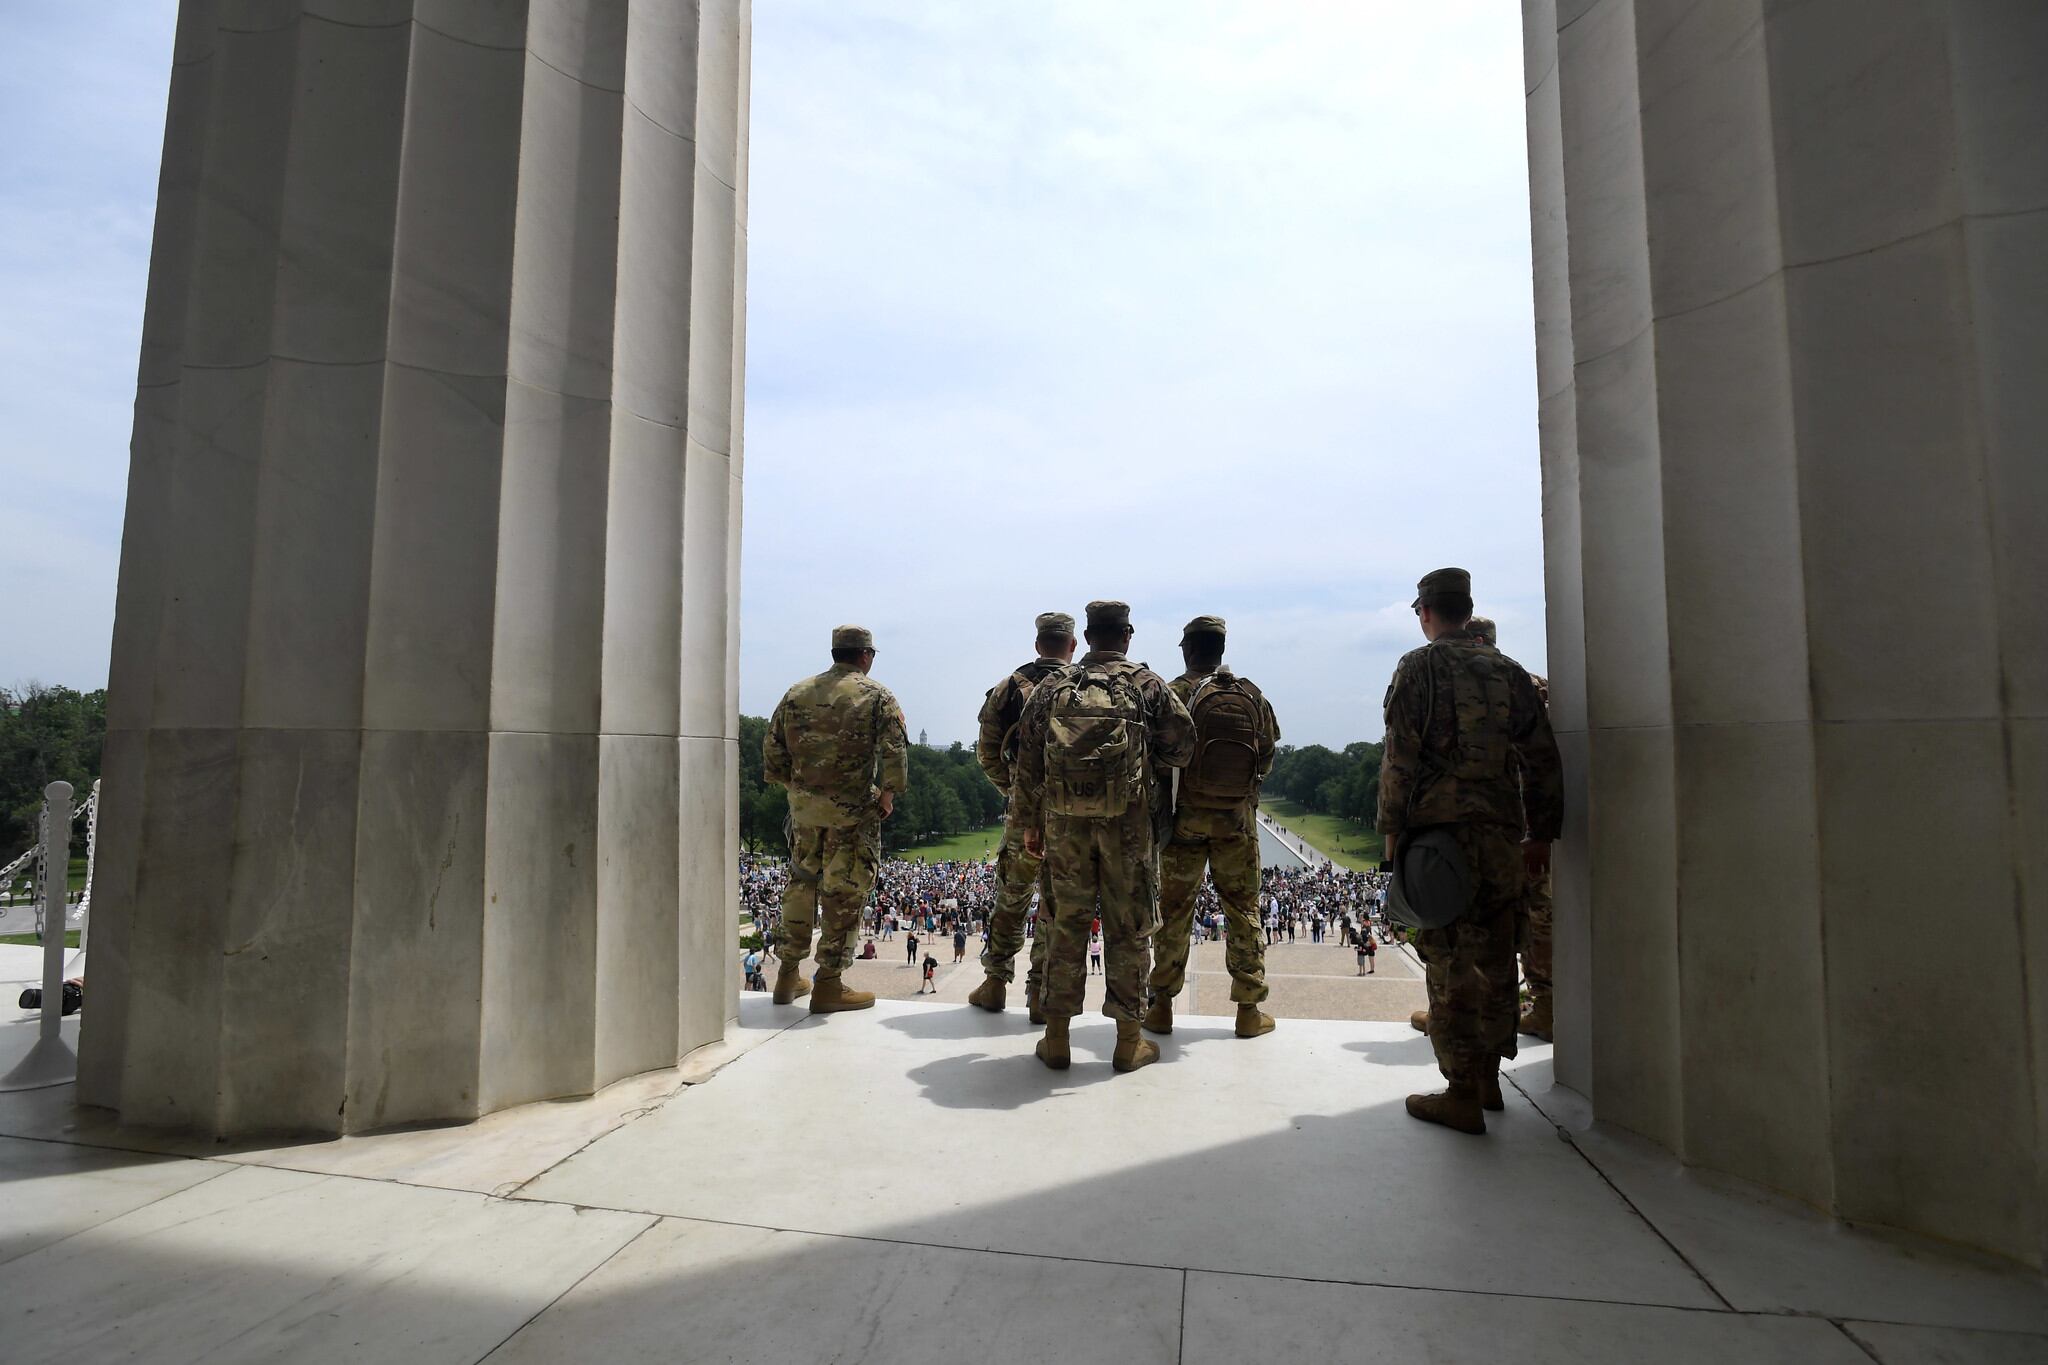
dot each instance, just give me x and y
(49, 1060)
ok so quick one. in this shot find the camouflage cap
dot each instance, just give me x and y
(1055, 623)
(1109, 615)
(1202, 625)
(852, 637)
(1484, 628)
(1442, 581)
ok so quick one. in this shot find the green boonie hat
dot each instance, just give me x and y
(852, 637)
(1055, 623)
(1442, 581)
(1108, 615)
(1484, 628)
(1202, 625)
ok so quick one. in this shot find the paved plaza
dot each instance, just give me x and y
(1307, 980)
(774, 1201)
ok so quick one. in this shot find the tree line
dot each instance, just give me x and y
(949, 794)
(1323, 780)
(47, 734)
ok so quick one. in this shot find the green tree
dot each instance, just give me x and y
(47, 734)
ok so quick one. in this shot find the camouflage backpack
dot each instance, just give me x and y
(1094, 743)
(1020, 685)
(1225, 771)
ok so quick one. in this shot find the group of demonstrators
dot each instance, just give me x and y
(924, 905)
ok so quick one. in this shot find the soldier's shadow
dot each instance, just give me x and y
(1011, 1079)
(1415, 1051)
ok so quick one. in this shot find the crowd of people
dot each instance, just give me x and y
(929, 906)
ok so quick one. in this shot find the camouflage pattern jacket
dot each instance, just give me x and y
(996, 749)
(1170, 739)
(1468, 742)
(835, 741)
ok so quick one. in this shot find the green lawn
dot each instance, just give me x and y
(29, 940)
(975, 845)
(1342, 842)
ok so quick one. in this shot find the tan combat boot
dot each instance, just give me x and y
(990, 994)
(789, 983)
(1489, 1087)
(1159, 1018)
(1457, 1107)
(1052, 1048)
(833, 996)
(1536, 1019)
(1132, 1049)
(1253, 1021)
(1034, 1004)
(1419, 1021)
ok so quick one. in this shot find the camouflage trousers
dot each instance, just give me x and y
(1470, 965)
(1227, 844)
(831, 871)
(1532, 937)
(1100, 867)
(1017, 874)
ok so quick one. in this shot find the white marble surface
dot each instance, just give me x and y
(908, 1185)
(1234, 1318)
(1142, 1169)
(752, 1296)
(262, 1265)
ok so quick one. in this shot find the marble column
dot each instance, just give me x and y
(422, 715)
(1806, 249)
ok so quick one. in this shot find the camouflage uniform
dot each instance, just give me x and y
(1532, 909)
(1106, 866)
(1226, 843)
(1462, 719)
(1018, 873)
(836, 741)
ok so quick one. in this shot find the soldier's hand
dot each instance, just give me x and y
(1034, 842)
(888, 803)
(1535, 857)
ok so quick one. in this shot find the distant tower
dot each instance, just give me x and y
(924, 740)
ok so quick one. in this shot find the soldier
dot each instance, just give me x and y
(837, 743)
(1461, 717)
(1532, 911)
(1017, 871)
(1092, 754)
(1213, 827)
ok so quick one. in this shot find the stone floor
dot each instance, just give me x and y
(908, 1185)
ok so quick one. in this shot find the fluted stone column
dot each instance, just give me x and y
(1802, 424)
(422, 712)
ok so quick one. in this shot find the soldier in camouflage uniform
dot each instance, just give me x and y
(836, 741)
(1091, 794)
(1532, 912)
(1213, 828)
(1461, 717)
(1018, 872)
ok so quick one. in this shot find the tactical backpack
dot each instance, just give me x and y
(1021, 683)
(1094, 744)
(1225, 771)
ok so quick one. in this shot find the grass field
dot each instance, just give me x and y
(975, 844)
(29, 940)
(1341, 841)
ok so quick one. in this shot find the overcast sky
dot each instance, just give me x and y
(1213, 307)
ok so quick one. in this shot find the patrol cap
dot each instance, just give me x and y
(1442, 581)
(1109, 615)
(1202, 625)
(1484, 628)
(852, 637)
(1055, 623)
